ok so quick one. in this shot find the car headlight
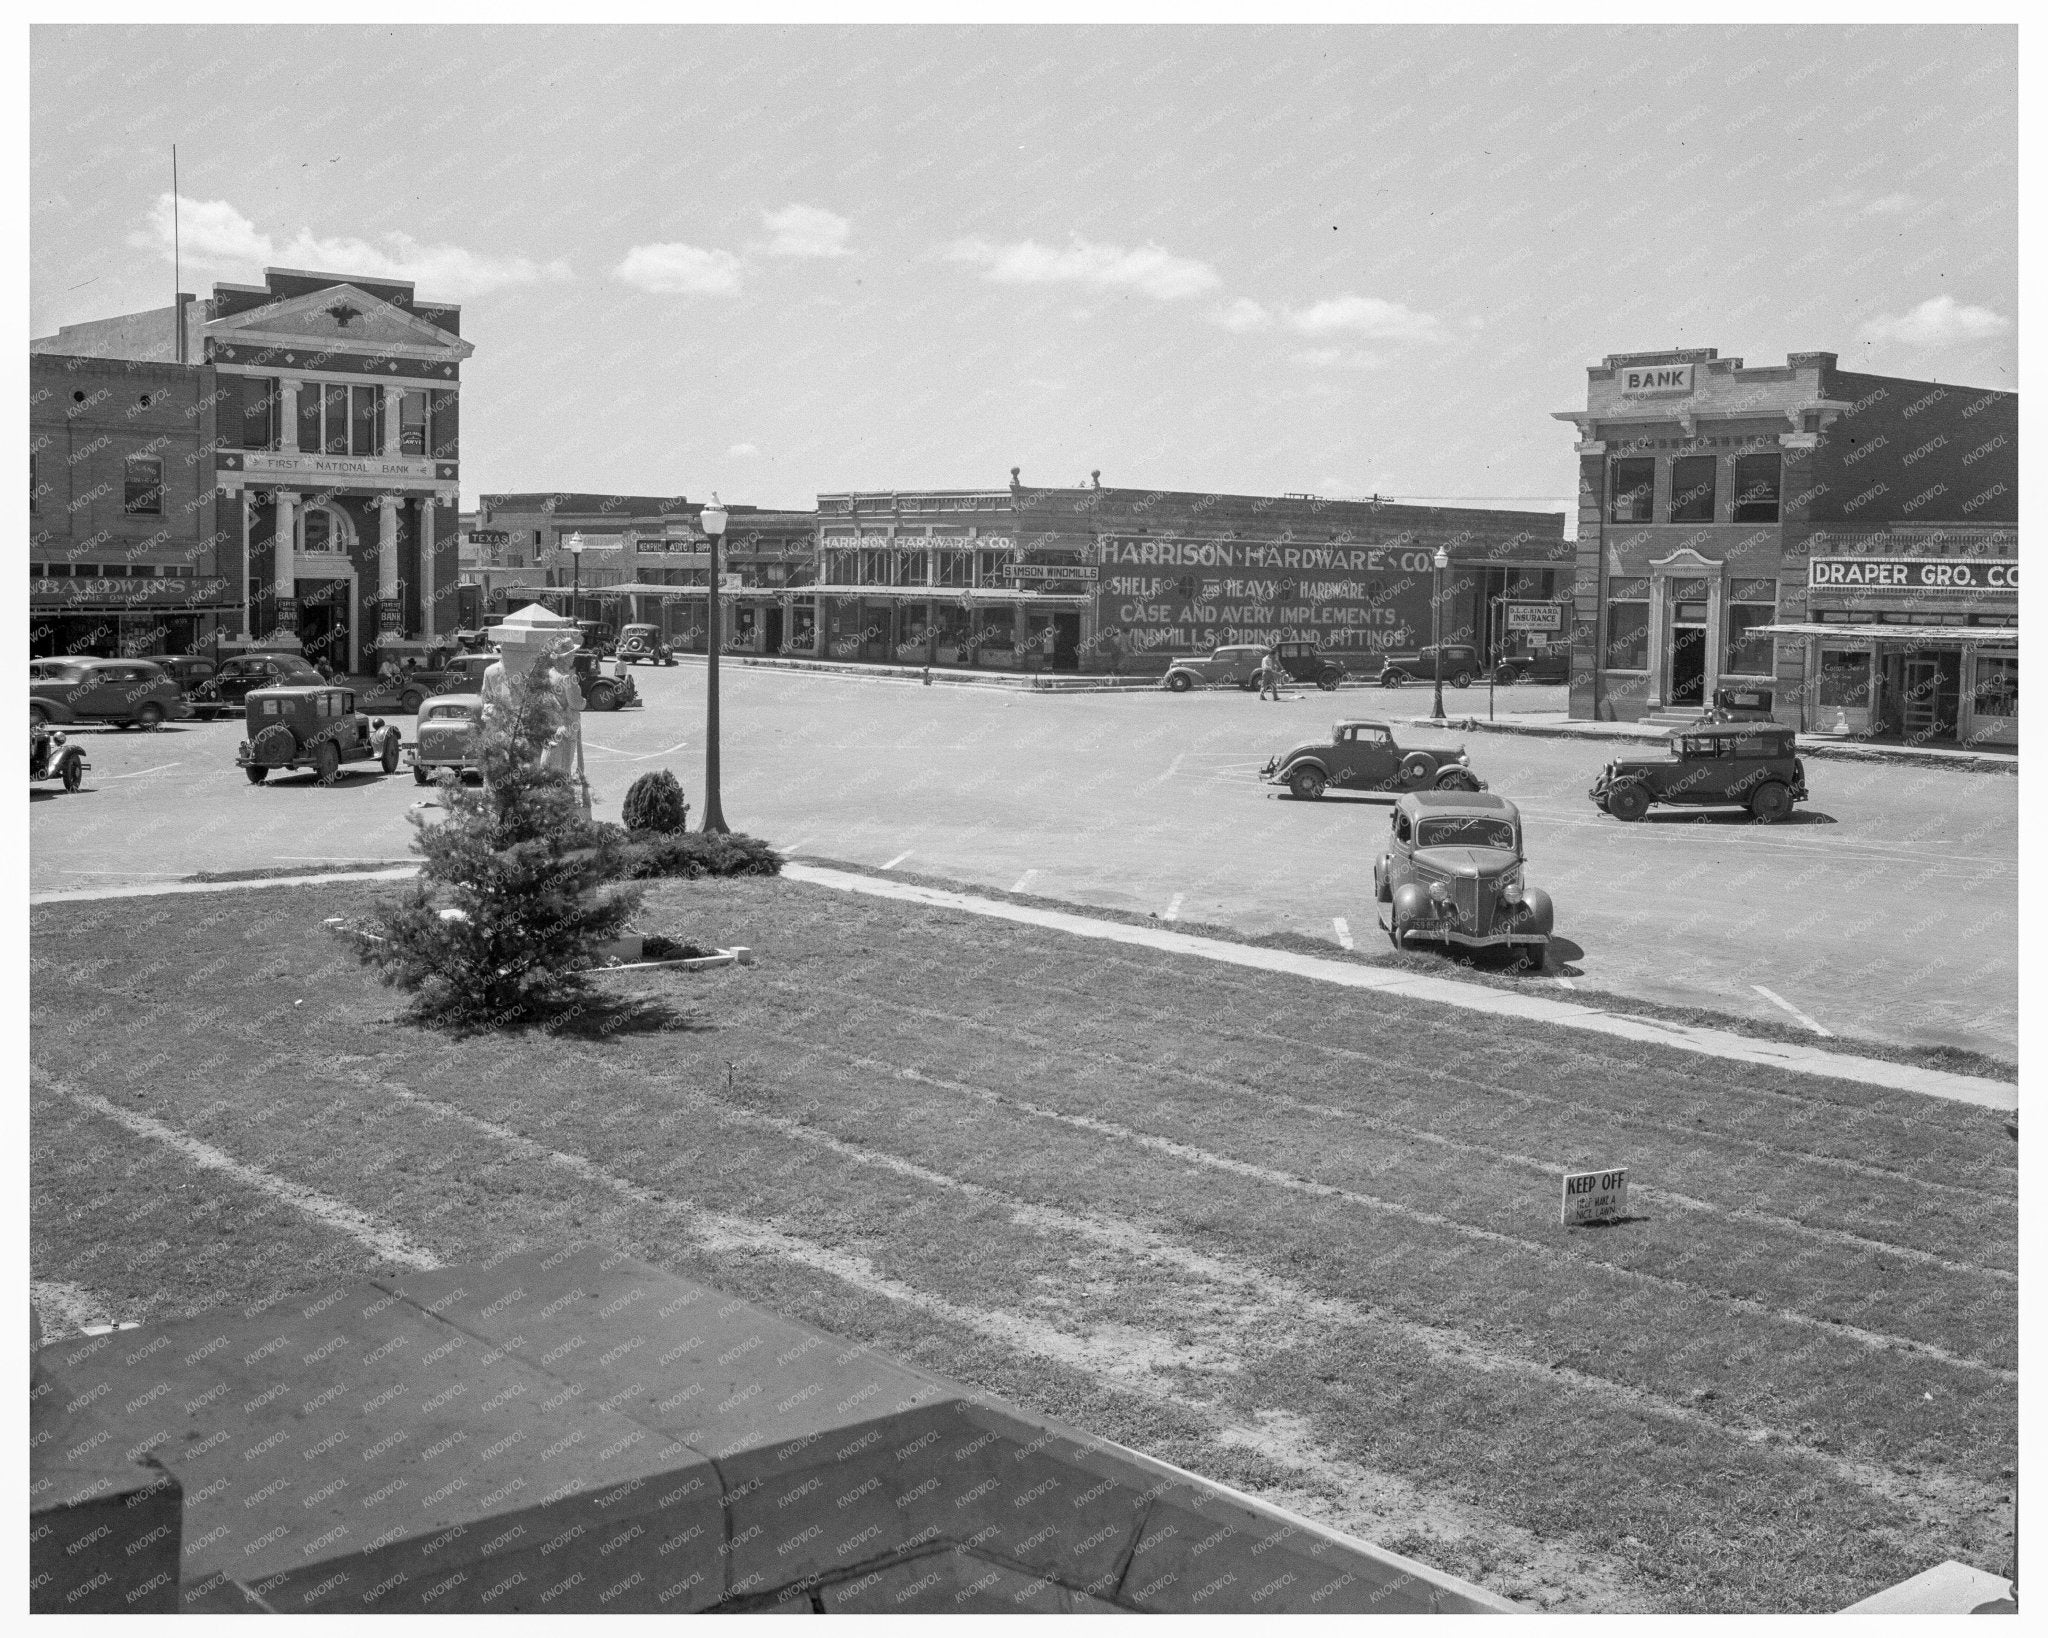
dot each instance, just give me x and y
(1511, 888)
(1440, 892)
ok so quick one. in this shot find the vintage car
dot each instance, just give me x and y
(1362, 756)
(127, 693)
(1304, 662)
(1712, 765)
(313, 726)
(1461, 665)
(189, 671)
(602, 692)
(223, 693)
(446, 736)
(1543, 665)
(1235, 663)
(53, 754)
(637, 643)
(1453, 874)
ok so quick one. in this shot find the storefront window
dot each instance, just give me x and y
(1628, 625)
(1751, 603)
(1997, 690)
(1845, 678)
(1756, 488)
(1692, 489)
(1630, 485)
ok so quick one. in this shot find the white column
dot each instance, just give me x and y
(427, 627)
(247, 590)
(387, 547)
(284, 559)
(288, 413)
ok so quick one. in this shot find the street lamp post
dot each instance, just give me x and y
(574, 547)
(712, 521)
(1442, 562)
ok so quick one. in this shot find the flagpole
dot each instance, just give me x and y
(177, 269)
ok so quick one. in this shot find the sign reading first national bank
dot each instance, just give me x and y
(306, 470)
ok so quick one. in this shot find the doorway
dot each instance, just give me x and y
(772, 643)
(1929, 693)
(1066, 640)
(326, 631)
(1688, 665)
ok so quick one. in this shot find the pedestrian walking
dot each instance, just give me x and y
(1113, 644)
(1270, 674)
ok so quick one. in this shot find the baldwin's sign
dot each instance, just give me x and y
(1595, 1197)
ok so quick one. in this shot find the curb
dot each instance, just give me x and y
(1708, 1042)
(1827, 750)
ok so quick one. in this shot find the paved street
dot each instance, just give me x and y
(1884, 910)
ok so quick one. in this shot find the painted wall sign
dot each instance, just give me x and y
(916, 543)
(1914, 574)
(490, 537)
(1655, 380)
(1535, 617)
(1594, 1197)
(387, 470)
(138, 592)
(1055, 571)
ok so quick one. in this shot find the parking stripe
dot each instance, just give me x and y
(1343, 930)
(1773, 996)
(893, 863)
(1173, 909)
(1023, 881)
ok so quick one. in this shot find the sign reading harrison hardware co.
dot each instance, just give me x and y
(1914, 574)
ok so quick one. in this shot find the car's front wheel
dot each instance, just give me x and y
(1391, 679)
(1306, 783)
(36, 713)
(74, 772)
(604, 698)
(389, 759)
(410, 701)
(1461, 679)
(150, 716)
(419, 774)
(1628, 803)
(1328, 681)
(326, 762)
(1771, 803)
(1180, 682)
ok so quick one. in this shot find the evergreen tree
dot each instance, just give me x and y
(519, 888)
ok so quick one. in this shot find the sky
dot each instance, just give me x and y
(779, 261)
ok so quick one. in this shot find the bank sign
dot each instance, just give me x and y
(1904, 576)
(1655, 380)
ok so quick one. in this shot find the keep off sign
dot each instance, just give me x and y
(1594, 1197)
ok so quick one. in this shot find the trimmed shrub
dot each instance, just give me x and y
(519, 890)
(694, 854)
(654, 802)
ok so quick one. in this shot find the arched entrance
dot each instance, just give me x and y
(325, 575)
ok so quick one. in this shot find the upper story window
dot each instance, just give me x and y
(142, 488)
(413, 429)
(248, 418)
(909, 568)
(951, 568)
(1757, 479)
(1631, 483)
(339, 420)
(1692, 489)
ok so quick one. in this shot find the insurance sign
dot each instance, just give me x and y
(1914, 574)
(1535, 617)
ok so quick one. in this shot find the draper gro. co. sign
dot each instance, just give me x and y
(1913, 574)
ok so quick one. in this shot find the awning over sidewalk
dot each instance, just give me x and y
(1914, 636)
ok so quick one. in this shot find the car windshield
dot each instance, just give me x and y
(64, 673)
(1465, 830)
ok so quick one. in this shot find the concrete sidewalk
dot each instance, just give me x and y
(1557, 725)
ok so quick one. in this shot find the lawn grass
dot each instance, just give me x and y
(1304, 1240)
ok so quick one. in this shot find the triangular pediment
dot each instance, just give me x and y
(340, 318)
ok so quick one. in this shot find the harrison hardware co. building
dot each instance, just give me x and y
(1027, 578)
(1841, 549)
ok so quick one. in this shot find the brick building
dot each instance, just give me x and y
(124, 556)
(326, 452)
(1839, 547)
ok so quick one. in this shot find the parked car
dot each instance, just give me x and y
(318, 727)
(1712, 765)
(127, 693)
(1461, 665)
(637, 643)
(53, 754)
(1543, 665)
(1363, 756)
(1305, 662)
(465, 673)
(223, 693)
(404, 693)
(1453, 873)
(189, 671)
(1234, 663)
(602, 691)
(447, 736)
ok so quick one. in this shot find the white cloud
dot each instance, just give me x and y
(1244, 315)
(1365, 316)
(214, 235)
(1889, 204)
(743, 451)
(680, 270)
(1152, 271)
(1337, 358)
(805, 230)
(1938, 321)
